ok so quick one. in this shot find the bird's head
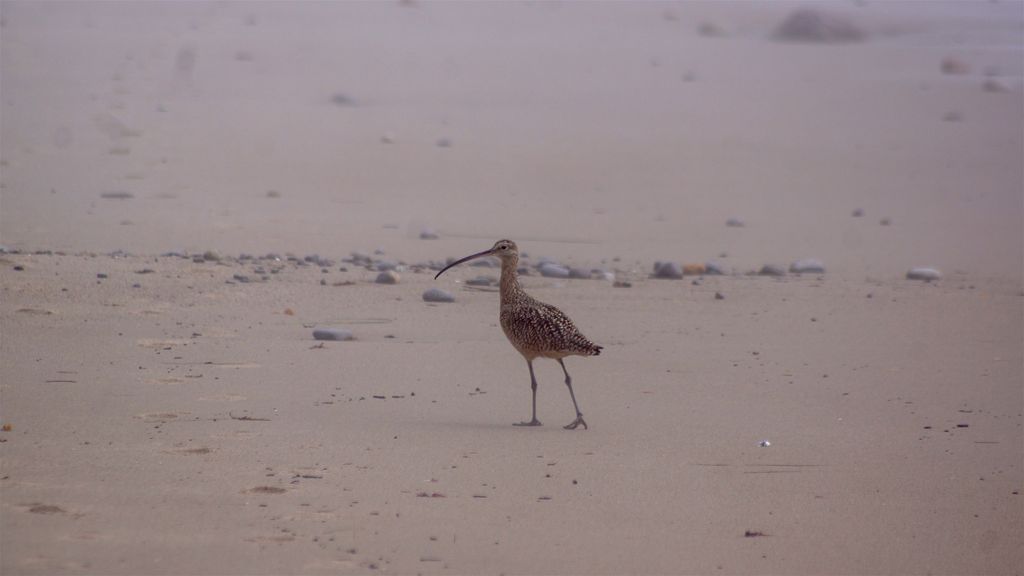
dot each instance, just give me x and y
(505, 250)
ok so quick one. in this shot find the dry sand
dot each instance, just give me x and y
(168, 418)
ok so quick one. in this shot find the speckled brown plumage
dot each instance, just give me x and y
(535, 329)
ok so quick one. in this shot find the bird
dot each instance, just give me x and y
(535, 329)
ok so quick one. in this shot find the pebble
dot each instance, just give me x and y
(101, 275)
(715, 268)
(437, 295)
(857, 213)
(719, 296)
(951, 65)
(581, 273)
(922, 273)
(772, 270)
(241, 278)
(337, 334)
(552, 270)
(735, 223)
(817, 26)
(429, 234)
(694, 269)
(668, 270)
(387, 277)
(117, 195)
(807, 266)
(19, 268)
(482, 281)
(321, 262)
(211, 256)
(885, 221)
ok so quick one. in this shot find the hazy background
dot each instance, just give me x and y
(582, 130)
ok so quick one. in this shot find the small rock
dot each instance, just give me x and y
(429, 234)
(101, 275)
(951, 65)
(241, 278)
(772, 270)
(857, 213)
(735, 223)
(387, 277)
(719, 296)
(622, 284)
(482, 281)
(443, 143)
(710, 30)
(273, 194)
(117, 195)
(580, 273)
(885, 222)
(714, 268)
(342, 99)
(694, 269)
(816, 26)
(807, 266)
(437, 295)
(994, 85)
(552, 270)
(211, 256)
(19, 268)
(332, 334)
(922, 273)
(668, 270)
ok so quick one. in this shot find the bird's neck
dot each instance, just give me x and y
(509, 280)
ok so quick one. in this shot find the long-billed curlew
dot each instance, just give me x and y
(536, 329)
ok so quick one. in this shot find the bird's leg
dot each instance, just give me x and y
(533, 386)
(579, 415)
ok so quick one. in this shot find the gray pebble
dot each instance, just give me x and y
(735, 223)
(668, 270)
(482, 281)
(387, 277)
(713, 268)
(321, 262)
(101, 275)
(242, 278)
(857, 213)
(437, 295)
(772, 270)
(807, 266)
(719, 296)
(332, 334)
(211, 256)
(580, 273)
(551, 270)
(922, 273)
(428, 234)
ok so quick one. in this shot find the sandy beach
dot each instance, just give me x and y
(189, 190)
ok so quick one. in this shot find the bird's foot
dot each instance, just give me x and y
(579, 420)
(533, 422)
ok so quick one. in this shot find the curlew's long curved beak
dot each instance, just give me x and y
(487, 252)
